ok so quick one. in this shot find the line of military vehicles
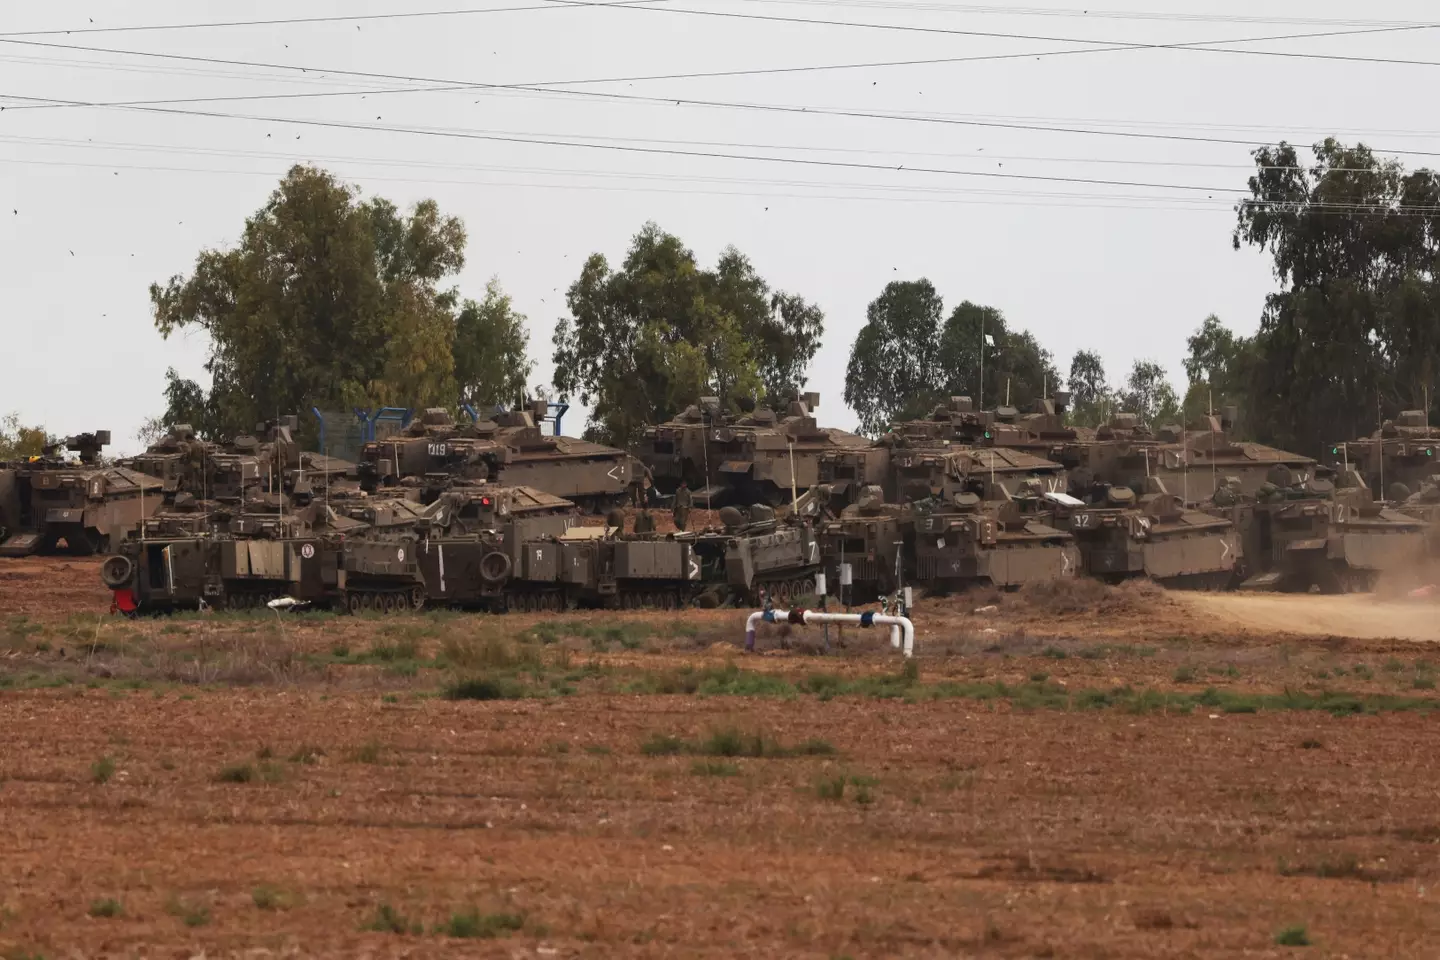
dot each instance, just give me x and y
(496, 514)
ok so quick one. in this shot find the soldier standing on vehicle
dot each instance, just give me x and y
(683, 502)
(644, 522)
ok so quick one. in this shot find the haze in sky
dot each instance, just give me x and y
(1076, 168)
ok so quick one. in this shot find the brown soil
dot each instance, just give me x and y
(963, 827)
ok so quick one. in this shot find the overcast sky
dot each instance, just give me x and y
(99, 202)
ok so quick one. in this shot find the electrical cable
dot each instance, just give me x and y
(347, 18)
(638, 98)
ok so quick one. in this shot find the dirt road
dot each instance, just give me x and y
(1361, 616)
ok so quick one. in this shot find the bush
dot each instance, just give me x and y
(106, 908)
(482, 688)
(239, 773)
(102, 770)
(389, 920)
(1294, 936)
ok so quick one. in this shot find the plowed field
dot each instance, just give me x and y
(1081, 773)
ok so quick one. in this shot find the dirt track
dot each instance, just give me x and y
(1360, 616)
(237, 784)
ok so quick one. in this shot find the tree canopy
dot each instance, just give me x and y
(645, 341)
(1353, 333)
(904, 359)
(335, 302)
(18, 441)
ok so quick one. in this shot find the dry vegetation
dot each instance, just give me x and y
(1081, 771)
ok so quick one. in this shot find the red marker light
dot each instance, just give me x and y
(484, 501)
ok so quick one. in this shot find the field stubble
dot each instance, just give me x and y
(1085, 772)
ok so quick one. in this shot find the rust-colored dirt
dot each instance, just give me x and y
(964, 828)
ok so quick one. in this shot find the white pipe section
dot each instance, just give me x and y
(902, 631)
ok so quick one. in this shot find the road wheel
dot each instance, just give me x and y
(417, 598)
(354, 602)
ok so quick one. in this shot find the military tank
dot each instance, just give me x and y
(1154, 535)
(758, 456)
(1322, 531)
(51, 504)
(1397, 459)
(509, 448)
(474, 545)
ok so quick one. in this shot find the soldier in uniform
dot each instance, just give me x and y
(644, 522)
(683, 502)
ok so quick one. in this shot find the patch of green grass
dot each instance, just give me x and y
(1054, 653)
(834, 788)
(484, 688)
(1293, 936)
(269, 897)
(109, 907)
(389, 920)
(190, 913)
(1393, 666)
(236, 773)
(368, 752)
(1039, 677)
(306, 754)
(1423, 681)
(714, 768)
(1311, 744)
(598, 749)
(663, 745)
(472, 924)
(1185, 675)
(1362, 671)
(102, 770)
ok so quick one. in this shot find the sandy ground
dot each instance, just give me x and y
(1356, 615)
(278, 810)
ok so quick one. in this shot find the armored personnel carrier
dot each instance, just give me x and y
(1007, 542)
(759, 456)
(867, 550)
(943, 472)
(1397, 459)
(1155, 535)
(1299, 533)
(757, 553)
(1424, 505)
(50, 503)
(510, 449)
(384, 554)
(268, 463)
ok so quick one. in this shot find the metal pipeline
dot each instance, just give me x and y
(902, 631)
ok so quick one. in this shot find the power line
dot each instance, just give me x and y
(970, 9)
(349, 18)
(900, 193)
(803, 148)
(1202, 46)
(640, 98)
(440, 86)
(1087, 14)
(662, 151)
(669, 151)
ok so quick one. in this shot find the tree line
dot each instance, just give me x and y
(335, 301)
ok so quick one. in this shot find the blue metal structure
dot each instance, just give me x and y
(398, 415)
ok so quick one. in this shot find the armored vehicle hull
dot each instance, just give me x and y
(1294, 546)
(1194, 551)
(953, 549)
(75, 509)
(759, 457)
